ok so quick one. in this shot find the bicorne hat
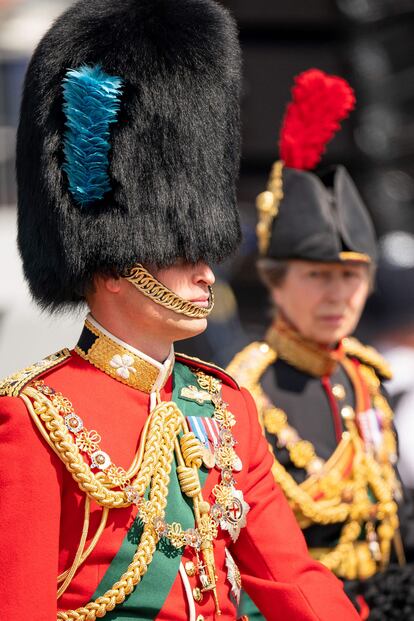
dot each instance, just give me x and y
(306, 212)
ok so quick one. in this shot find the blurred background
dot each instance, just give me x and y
(371, 43)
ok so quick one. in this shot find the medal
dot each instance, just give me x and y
(192, 393)
(208, 457)
(235, 515)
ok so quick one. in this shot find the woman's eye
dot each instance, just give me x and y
(350, 275)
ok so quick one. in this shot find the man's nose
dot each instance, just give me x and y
(204, 274)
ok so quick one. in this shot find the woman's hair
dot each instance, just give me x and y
(273, 272)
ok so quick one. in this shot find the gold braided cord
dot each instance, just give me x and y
(79, 552)
(92, 545)
(172, 420)
(160, 294)
(68, 452)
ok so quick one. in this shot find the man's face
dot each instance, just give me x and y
(323, 301)
(188, 281)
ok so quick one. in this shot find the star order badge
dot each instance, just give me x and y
(235, 516)
(234, 577)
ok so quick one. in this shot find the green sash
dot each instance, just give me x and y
(248, 608)
(148, 598)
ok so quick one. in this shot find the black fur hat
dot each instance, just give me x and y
(153, 179)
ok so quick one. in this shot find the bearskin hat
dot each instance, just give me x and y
(128, 143)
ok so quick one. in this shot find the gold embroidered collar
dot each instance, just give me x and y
(122, 361)
(301, 353)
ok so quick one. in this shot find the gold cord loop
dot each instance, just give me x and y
(191, 449)
(189, 481)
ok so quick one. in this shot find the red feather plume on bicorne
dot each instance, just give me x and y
(319, 102)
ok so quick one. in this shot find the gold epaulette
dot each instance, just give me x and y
(12, 385)
(248, 366)
(208, 367)
(368, 356)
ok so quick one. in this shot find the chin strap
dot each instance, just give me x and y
(158, 293)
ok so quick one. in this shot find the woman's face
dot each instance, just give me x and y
(323, 301)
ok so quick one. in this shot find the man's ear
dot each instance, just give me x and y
(109, 283)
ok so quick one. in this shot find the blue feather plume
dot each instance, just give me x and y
(91, 104)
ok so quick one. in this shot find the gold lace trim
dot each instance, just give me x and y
(120, 363)
(12, 385)
(301, 353)
(267, 204)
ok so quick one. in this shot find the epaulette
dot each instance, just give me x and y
(208, 367)
(367, 355)
(251, 362)
(12, 385)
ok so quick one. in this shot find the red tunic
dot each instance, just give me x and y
(42, 513)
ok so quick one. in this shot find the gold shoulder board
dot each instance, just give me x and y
(368, 356)
(12, 385)
(248, 366)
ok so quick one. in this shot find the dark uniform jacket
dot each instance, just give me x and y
(330, 428)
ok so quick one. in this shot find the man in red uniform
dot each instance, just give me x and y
(135, 482)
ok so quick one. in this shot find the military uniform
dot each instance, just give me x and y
(110, 387)
(323, 409)
(137, 489)
(330, 428)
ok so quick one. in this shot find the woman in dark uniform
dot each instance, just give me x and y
(317, 389)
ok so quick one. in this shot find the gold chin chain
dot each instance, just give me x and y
(160, 294)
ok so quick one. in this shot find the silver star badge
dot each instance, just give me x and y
(233, 576)
(235, 516)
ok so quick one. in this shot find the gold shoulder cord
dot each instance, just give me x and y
(342, 499)
(151, 467)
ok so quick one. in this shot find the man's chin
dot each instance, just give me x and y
(189, 328)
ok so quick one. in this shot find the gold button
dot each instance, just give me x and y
(190, 569)
(197, 594)
(348, 413)
(338, 392)
(200, 618)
